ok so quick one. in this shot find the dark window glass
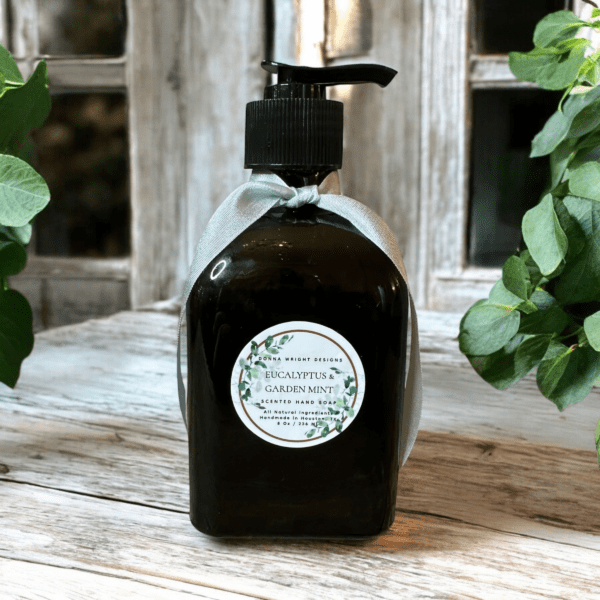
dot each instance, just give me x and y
(82, 27)
(505, 182)
(505, 25)
(82, 153)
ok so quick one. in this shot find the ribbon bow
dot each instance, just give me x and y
(252, 200)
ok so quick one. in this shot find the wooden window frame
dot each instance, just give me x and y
(449, 74)
(146, 73)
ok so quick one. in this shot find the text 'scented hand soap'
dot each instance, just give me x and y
(297, 309)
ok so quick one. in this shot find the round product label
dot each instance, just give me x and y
(298, 384)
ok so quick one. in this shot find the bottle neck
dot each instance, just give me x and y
(298, 179)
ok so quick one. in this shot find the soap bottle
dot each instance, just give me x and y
(296, 345)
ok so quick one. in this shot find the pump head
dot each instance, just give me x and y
(295, 127)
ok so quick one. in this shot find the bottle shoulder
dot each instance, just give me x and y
(302, 248)
(311, 232)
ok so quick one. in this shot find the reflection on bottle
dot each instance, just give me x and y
(218, 269)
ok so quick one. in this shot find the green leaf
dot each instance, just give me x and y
(8, 68)
(243, 362)
(573, 231)
(324, 431)
(338, 426)
(16, 335)
(254, 372)
(559, 124)
(585, 181)
(511, 363)
(350, 411)
(487, 328)
(23, 192)
(552, 367)
(557, 75)
(273, 351)
(321, 423)
(559, 159)
(515, 277)
(586, 121)
(242, 386)
(260, 363)
(580, 279)
(534, 271)
(526, 65)
(567, 375)
(550, 318)
(545, 239)
(269, 341)
(24, 109)
(502, 297)
(340, 402)
(284, 339)
(352, 391)
(555, 27)
(12, 258)
(311, 433)
(591, 326)
(16, 234)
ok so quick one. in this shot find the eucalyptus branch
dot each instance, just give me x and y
(527, 322)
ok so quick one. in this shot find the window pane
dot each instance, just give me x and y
(502, 26)
(82, 153)
(505, 182)
(76, 27)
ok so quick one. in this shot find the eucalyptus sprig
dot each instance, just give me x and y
(544, 313)
(254, 366)
(24, 106)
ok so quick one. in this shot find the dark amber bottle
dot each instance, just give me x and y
(296, 362)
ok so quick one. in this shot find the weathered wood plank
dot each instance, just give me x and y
(421, 557)
(158, 129)
(98, 74)
(218, 86)
(349, 28)
(382, 131)
(28, 580)
(492, 71)
(25, 34)
(444, 144)
(76, 268)
(56, 301)
(4, 33)
(529, 489)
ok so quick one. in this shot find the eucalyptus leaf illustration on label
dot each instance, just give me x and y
(298, 384)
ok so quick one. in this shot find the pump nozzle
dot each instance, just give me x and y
(294, 127)
(344, 74)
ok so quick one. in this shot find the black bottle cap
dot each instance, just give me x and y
(295, 127)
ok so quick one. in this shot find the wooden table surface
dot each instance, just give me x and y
(499, 499)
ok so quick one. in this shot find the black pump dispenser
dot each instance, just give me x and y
(295, 127)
